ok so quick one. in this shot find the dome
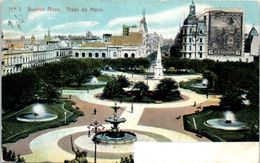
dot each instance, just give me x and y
(253, 32)
(190, 20)
(63, 44)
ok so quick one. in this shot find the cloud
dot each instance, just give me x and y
(10, 34)
(168, 32)
(165, 23)
(172, 15)
(39, 14)
(4, 22)
(123, 20)
(75, 28)
(75, 25)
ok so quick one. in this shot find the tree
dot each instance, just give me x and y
(114, 88)
(211, 77)
(166, 88)
(232, 100)
(19, 89)
(171, 70)
(50, 93)
(141, 69)
(122, 81)
(142, 87)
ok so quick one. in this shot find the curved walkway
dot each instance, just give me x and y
(47, 144)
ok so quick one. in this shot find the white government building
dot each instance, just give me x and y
(22, 53)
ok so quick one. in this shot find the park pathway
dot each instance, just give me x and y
(45, 147)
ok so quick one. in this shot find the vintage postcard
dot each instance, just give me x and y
(123, 81)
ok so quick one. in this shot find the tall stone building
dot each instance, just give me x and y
(215, 34)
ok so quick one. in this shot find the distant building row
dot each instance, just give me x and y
(134, 43)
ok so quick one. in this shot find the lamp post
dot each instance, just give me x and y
(95, 127)
(65, 116)
(147, 79)
(132, 105)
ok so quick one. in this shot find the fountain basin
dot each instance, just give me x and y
(113, 120)
(199, 85)
(224, 124)
(110, 137)
(95, 81)
(202, 85)
(33, 117)
(38, 113)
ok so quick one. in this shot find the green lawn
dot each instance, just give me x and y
(103, 78)
(14, 130)
(187, 85)
(83, 87)
(246, 115)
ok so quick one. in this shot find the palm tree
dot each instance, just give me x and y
(232, 100)
(50, 92)
(166, 87)
(122, 81)
(115, 87)
(142, 87)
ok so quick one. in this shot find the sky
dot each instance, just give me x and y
(76, 17)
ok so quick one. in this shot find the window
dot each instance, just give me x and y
(103, 55)
(96, 55)
(90, 55)
(133, 55)
(200, 48)
(190, 48)
(189, 39)
(114, 54)
(126, 55)
(200, 39)
(57, 54)
(190, 55)
(83, 55)
(201, 32)
(76, 54)
(200, 54)
(190, 30)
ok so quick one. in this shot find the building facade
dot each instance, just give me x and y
(24, 53)
(215, 34)
(20, 54)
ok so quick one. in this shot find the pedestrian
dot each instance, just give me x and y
(194, 103)
(95, 111)
(207, 95)
(88, 133)
(70, 96)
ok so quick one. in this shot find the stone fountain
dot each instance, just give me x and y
(95, 81)
(202, 85)
(114, 135)
(38, 114)
(229, 122)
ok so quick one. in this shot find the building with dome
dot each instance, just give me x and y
(215, 34)
(253, 43)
